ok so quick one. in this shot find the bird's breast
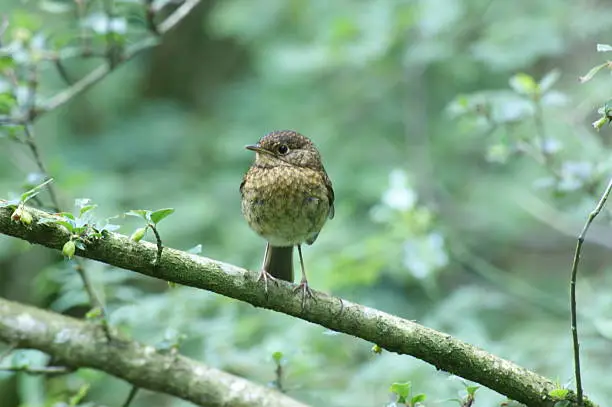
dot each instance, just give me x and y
(285, 205)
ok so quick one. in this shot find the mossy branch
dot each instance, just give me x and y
(81, 344)
(389, 332)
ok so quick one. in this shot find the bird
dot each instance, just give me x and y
(286, 198)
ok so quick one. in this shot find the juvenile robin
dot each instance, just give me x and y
(286, 198)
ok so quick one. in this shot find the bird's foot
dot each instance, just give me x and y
(306, 292)
(265, 276)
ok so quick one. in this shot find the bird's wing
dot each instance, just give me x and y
(330, 196)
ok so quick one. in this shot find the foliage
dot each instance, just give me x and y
(456, 133)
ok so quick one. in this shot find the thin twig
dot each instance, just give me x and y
(131, 396)
(158, 242)
(576, 261)
(150, 16)
(31, 143)
(94, 300)
(102, 71)
(278, 382)
(61, 70)
(541, 134)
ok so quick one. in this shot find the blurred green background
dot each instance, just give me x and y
(445, 215)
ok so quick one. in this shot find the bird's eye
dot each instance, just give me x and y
(283, 149)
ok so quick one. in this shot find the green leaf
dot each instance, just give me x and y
(604, 48)
(524, 84)
(471, 390)
(84, 205)
(141, 213)
(77, 398)
(277, 357)
(22, 19)
(402, 390)
(599, 123)
(160, 214)
(94, 313)
(589, 75)
(67, 215)
(86, 209)
(549, 80)
(34, 191)
(67, 223)
(7, 100)
(558, 393)
(419, 398)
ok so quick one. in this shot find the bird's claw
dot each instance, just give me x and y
(306, 292)
(265, 276)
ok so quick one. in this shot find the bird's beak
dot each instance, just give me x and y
(257, 148)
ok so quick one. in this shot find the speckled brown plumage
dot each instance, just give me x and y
(286, 198)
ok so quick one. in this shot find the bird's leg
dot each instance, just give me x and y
(264, 275)
(303, 285)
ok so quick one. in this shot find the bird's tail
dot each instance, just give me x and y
(279, 262)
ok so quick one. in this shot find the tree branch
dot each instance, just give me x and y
(389, 332)
(102, 71)
(82, 344)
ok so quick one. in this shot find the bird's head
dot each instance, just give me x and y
(286, 147)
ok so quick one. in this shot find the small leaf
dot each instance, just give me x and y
(402, 390)
(160, 214)
(589, 75)
(277, 357)
(79, 244)
(67, 215)
(172, 284)
(604, 48)
(94, 313)
(524, 84)
(77, 398)
(419, 398)
(471, 390)
(86, 209)
(558, 393)
(141, 213)
(34, 191)
(69, 249)
(67, 224)
(376, 349)
(599, 123)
